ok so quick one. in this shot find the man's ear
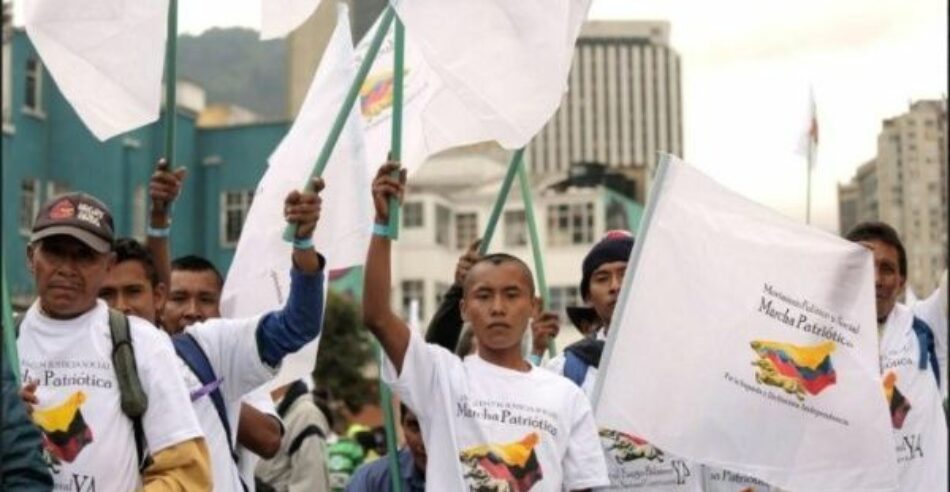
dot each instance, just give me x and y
(462, 310)
(30, 250)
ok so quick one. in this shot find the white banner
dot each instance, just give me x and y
(259, 278)
(502, 64)
(106, 57)
(748, 341)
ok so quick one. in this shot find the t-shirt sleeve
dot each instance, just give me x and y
(584, 465)
(170, 418)
(232, 349)
(424, 368)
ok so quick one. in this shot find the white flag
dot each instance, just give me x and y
(506, 63)
(259, 278)
(747, 341)
(106, 57)
(280, 17)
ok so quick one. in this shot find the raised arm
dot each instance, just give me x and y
(287, 330)
(163, 188)
(389, 329)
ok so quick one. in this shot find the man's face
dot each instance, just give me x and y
(127, 288)
(192, 297)
(605, 285)
(413, 435)
(888, 281)
(68, 275)
(498, 303)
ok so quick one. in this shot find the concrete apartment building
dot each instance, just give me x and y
(906, 186)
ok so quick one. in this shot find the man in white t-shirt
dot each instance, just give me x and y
(908, 366)
(243, 354)
(933, 311)
(492, 421)
(66, 348)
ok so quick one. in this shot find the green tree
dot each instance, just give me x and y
(345, 350)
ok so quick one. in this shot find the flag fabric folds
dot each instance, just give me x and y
(501, 66)
(106, 57)
(280, 17)
(748, 342)
(259, 277)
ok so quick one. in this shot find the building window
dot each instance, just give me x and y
(562, 297)
(33, 99)
(413, 290)
(570, 224)
(412, 215)
(234, 208)
(516, 228)
(443, 225)
(29, 204)
(466, 229)
(139, 212)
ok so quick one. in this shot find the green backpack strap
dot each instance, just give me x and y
(134, 401)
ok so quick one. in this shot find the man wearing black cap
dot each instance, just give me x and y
(601, 278)
(66, 356)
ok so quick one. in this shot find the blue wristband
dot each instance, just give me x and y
(303, 243)
(160, 232)
(535, 359)
(380, 229)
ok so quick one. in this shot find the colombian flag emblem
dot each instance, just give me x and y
(796, 369)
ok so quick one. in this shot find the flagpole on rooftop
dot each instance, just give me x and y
(343, 114)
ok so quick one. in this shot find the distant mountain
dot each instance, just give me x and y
(235, 66)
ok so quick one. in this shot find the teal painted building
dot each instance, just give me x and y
(47, 151)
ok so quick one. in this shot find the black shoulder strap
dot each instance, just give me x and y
(310, 430)
(297, 389)
(197, 360)
(134, 401)
(928, 351)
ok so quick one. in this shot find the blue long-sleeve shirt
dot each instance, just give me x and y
(287, 330)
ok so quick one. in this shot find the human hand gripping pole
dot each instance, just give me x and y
(391, 331)
(302, 211)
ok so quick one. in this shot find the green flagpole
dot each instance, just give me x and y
(389, 423)
(535, 244)
(395, 147)
(9, 337)
(348, 102)
(171, 75)
(500, 201)
(395, 153)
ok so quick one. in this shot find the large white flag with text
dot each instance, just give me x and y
(747, 341)
(259, 278)
(106, 57)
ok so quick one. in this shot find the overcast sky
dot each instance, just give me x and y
(747, 66)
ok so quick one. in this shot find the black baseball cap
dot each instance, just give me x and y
(77, 215)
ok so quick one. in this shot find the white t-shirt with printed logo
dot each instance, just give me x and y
(490, 428)
(231, 347)
(87, 438)
(917, 415)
